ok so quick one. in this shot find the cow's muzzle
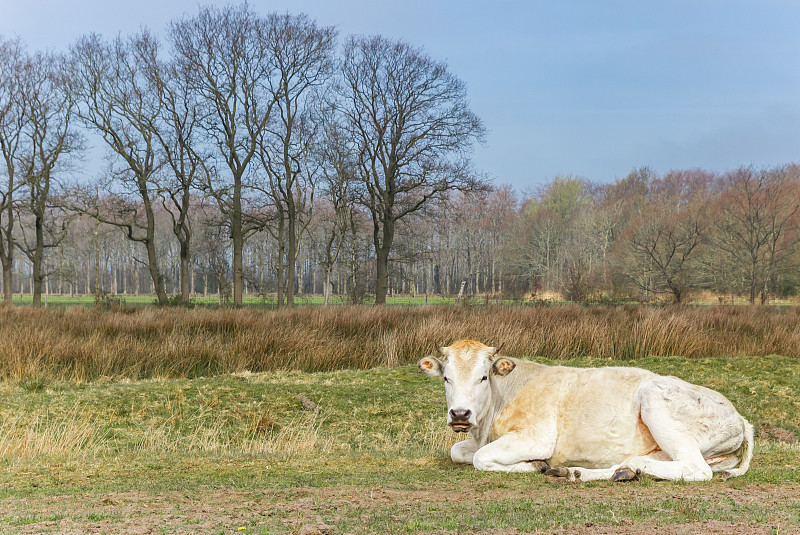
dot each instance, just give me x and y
(460, 427)
(459, 420)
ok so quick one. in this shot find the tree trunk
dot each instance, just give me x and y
(237, 236)
(461, 290)
(279, 272)
(382, 248)
(36, 278)
(115, 275)
(96, 265)
(676, 292)
(382, 275)
(299, 276)
(327, 288)
(184, 276)
(291, 257)
(36, 261)
(8, 280)
(238, 247)
(152, 257)
(7, 257)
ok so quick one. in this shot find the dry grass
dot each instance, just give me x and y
(83, 345)
(58, 436)
(301, 435)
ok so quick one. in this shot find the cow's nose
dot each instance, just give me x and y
(460, 415)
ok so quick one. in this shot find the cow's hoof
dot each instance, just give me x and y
(539, 466)
(625, 474)
(558, 471)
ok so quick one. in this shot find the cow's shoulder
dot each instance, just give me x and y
(530, 385)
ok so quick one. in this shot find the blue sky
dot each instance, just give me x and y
(581, 87)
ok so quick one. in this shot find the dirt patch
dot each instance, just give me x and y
(314, 511)
(711, 527)
(779, 434)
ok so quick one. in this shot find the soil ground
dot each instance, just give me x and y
(310, 510)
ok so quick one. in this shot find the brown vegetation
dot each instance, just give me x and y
(81, 344)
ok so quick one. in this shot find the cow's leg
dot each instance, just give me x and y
(668, 410)
(578, 473)
(462, 452)
(512, 453)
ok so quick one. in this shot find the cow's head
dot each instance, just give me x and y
(466, 367)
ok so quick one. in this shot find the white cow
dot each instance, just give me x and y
(586, 423)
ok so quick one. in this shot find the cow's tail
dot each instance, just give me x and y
(744, 453)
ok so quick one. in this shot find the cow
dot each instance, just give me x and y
(585, 424)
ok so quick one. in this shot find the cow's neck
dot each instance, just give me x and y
(504, 389)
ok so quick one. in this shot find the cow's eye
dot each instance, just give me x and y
(483, 378)
(446, 380)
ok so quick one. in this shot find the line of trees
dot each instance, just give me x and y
(247, 153)
(235, 109)
(649, 236)
(644, 237)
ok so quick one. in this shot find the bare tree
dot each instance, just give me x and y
(529, 256)
(301, 53)
(337, 172)
(212, 249)
(12, 121)
(783, 221)
(755, 217)
(583, 254)
(177, 133)
(502, 207)
(227, 59)
(118, 101)
(665, 242)
(49, 137)
(411, 128)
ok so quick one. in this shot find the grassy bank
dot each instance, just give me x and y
(362, 451)
(84, 345)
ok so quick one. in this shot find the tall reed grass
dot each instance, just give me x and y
(84, 345)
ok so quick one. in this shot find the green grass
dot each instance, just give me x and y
(269, 301)
(210, 455)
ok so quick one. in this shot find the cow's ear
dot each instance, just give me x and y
(430, 366)
(503, 366)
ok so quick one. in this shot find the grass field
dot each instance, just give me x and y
(348, 451)
(268, 302)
